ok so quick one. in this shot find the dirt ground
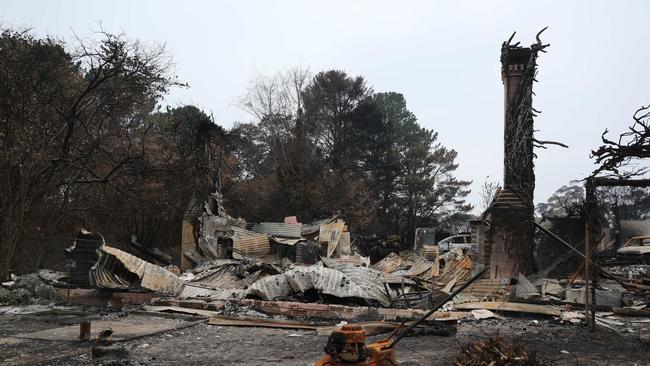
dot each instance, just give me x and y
(198, 343)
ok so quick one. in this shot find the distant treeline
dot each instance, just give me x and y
(85, 143)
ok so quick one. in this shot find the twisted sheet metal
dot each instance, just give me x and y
(331, 234)
(313, 228)
(391, 263)
(279, 229)
(355, 282)
(119, 269)
(286, 241)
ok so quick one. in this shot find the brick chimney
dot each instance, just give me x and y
(511, 229)
(512, 71)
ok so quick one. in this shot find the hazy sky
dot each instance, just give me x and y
(443, 56)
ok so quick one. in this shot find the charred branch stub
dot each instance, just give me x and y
(511, 232)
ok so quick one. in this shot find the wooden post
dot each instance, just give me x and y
(590, 274)
(587, 274)
(84, 331)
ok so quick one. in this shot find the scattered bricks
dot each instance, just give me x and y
(315, 307)
(121, 299)
(349, 312)
(216, 305)
(248, 302)
(302, 310)
(396, 314)
(82, 296)
(164, 302)
(190, 304)
(193, 304)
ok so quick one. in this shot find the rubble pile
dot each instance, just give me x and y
(31, 288)
(275, 266)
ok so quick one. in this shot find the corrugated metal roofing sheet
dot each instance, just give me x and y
(370, 280)
(249, 242)
(357, 282)
(389, 264)
(271, 287)
(313, 227)
(279, 229)
(84, 254)
(460, 269)
(107, 272)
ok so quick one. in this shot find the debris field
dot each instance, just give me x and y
(266, 293)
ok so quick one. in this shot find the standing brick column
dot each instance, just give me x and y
(512, 213)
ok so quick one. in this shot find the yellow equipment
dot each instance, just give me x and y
(346, 346)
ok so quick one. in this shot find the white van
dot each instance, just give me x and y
(462, 241)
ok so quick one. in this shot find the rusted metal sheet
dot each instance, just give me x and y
(279, 229)
(421, 267)
(389, 264)
(331, 234)
(488, 289)
(249, 242)
(119, 269)
(459, 269)
(430, 252)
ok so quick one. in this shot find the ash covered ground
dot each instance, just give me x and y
(203, 344)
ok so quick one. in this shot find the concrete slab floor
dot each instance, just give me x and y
(204, 344)
(123, 329)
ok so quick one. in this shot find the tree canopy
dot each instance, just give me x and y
(85, 143)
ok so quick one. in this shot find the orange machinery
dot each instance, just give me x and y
(347, 346)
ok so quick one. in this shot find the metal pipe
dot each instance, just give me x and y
(438, 306)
